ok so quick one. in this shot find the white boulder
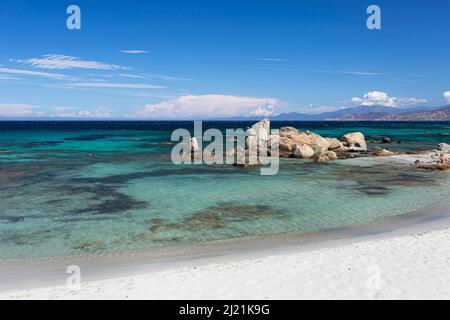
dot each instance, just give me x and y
(303, 151)
(444, 147)
(355, 141)
(331, 155)
(192, 144)
(261, 132)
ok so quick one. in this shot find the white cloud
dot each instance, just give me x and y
(61, 62)
(207, 106)
(263, 111)
(16, 110)
(378, 98)
(33, 73)
(134, 51)
(115, 85)
(63, 112)
(447, 96)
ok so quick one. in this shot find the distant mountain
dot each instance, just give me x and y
(371, 116)
(348, 114)
(292, 116)
(435, 114)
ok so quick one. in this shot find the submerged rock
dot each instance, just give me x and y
(221, 215)
(383, 153)
(322, 159)
(166, 227)
(386, 140)
(12, 219)
(434, 167)
(87, 245)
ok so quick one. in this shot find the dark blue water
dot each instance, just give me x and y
(408, 131)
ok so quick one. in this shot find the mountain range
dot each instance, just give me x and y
(371, 113)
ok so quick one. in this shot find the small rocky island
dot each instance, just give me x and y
(293, 143)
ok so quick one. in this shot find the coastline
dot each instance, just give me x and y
(411, 263)
(45, 278)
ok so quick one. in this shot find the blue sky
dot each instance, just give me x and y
(215, 58)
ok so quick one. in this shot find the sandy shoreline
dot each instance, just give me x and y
(408, 263)
(397, 267)
(404, 257)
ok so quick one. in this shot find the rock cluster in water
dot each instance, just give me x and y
(436, 160)
(293, 143)
(305, 144)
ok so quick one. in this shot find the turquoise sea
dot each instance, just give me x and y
(75, 188)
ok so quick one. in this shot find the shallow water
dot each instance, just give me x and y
(82, 188)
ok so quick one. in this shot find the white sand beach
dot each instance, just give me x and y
(411, 266)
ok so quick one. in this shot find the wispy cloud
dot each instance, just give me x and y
(315, 109)
(413, 75)
(169, 78)
(121, 85)
(34, 73)
(355, 73)
(134, 51)
(272, 59)
(61, 62)
(131, 76)
(5, 77)
(379, 98)
(204, 106)
(362, 73)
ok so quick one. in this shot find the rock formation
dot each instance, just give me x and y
(383, 153)
(303, 151)
(444, 147)
(291, 143)
(259, 134)
(355, 141)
